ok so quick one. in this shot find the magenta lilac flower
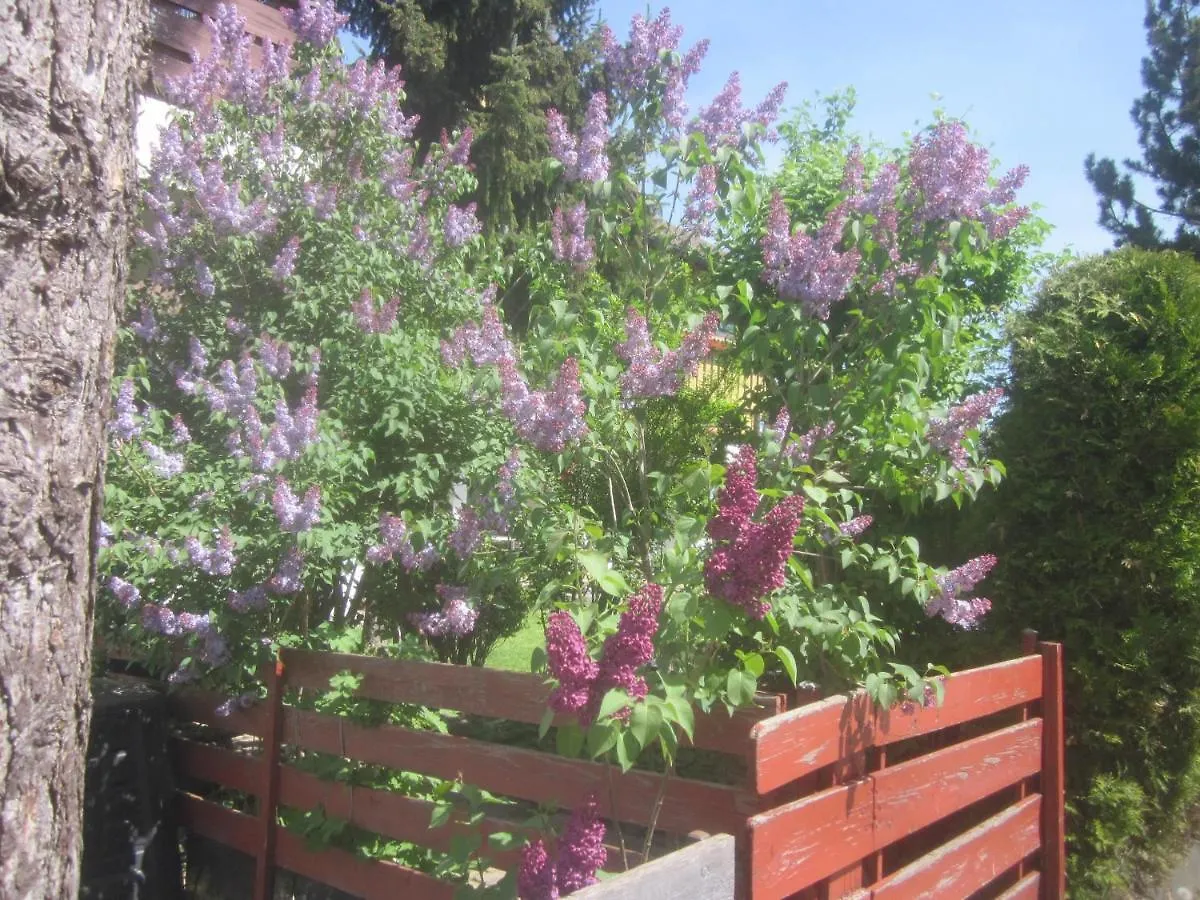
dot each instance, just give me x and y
(947, 434)
(949, 603)
(652, 372)
(535, 878)
(294, 514)
(749, 559)
(627, 650)
(568, 660)
(800, 451)
(580, 851)
(568, 237)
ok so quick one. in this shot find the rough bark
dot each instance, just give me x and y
(67, 77)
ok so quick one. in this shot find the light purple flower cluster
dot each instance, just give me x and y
(126, 424)
(461, 225)
(652, 372)
(395, 542)
(222, 204)
(295, 515)
(549, 419)
(722, 121)
(749, 559)
(164, 464)
(127, 594)
(584, 158)
(582, 682)
(947, 434)
(856, 526)
(179, 431)
(579, 854)
(951, 605)
(285, 263)
(949, 180)
(316, 23)
(809, 267)
(701, 201)
(456, 617)
(568, 237)
(800, 451)
(287, 577)
(321, 199)
(242, 701)
(491, 516)
(649, 59)
(275, 356)
(251, 599)
(374, 319)
(234, 393)
(146, 327)
(216, 560)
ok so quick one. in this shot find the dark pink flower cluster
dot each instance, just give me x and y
(584, 158)
(582, 682)
(653, 373)
(579, 855)
(947, 434)
(749, 558)
(394, 541)
(549, 419)
(951, 605)
(722, 121)
(568, 237)
(456, 617)
(374, 319)
(649, 58)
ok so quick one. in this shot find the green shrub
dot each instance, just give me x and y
(1098, 533)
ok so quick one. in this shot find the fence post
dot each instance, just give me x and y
(1054, 849)
(264, 874)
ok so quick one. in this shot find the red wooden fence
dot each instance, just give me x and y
(839, 798)
(177, 29)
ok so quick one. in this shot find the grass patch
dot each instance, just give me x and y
(513, 652)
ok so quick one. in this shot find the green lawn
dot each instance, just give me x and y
(514, 651)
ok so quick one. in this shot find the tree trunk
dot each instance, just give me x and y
(67, 76)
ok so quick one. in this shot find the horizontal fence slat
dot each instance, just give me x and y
(703, 871)
(800, 843)
(529, 774)
(1028, 888)
(369, 879)
(194, 705)
(919, 792)
(970, 861)
(218, 765)
(218, 823)
(795, 743)
(494, 693)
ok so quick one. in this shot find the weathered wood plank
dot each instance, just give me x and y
(795, 743)
(1054, 830)
(516, 696)
(261, 20)
(369, 879)
(970, 861)
(703, 871)
(917, 793)
(216, 765)
(529, 774)
(802, 842)
(1028, 888)
(218, 823)
(194, 705)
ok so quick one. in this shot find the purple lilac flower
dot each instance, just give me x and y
(809, 267)
(535, 878)
(627, 650)
(749, 559)
(461, 225)
(395, 542)
(593, 158)
(321, 199)
(164, 464)
(486, 342)
(580, 850)
(126, 424)
(286, 579)
(179, 431)
(951, 605)
(242, 701)
(159, 620)
(275, 356)
(947, 434)
(563, 145)
(949, 180)
(856, 526)
(233, 393)
(217, 560)
(456, 617)
(104, 534)
(372, 319)
(722, 121)
(185, 674)
(146, 327)
(253, 598)
(568, 660)
(316, 23)
(701, 201)
(800, 451)
(653, 373)
(285, 262)
(649, 58)
(548, 419)
(295, 515)
(127, 594)
(568, 237)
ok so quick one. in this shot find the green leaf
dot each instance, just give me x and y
(645, 722)
(547, 721)
(614, 701)
(788, 660)
(569, 740)
(741, 686)
(597, 565)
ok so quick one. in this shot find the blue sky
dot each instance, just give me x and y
(1041, 83)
